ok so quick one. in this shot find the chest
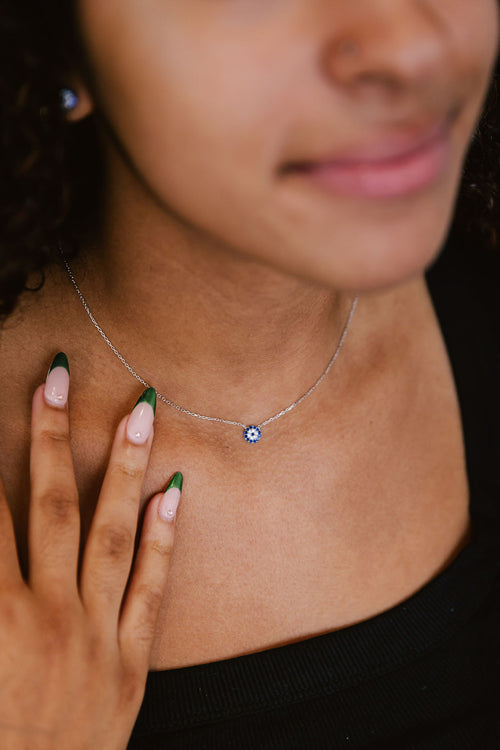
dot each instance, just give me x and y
(313, 539)
(334, 517)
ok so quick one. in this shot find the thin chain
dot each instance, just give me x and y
(165, 400)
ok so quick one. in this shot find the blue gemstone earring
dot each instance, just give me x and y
(68, 100)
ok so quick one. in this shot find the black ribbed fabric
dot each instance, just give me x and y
(423, 675)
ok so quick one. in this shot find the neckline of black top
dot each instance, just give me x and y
(324, 664)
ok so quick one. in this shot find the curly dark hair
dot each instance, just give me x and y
(50, 173)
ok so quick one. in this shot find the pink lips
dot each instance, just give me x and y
(398, 172)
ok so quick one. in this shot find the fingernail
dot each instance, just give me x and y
(140, 421)
(57, 382)
(170, 500)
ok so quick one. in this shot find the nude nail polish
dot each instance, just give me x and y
(57, 382)
(170, 500)
(140, 421)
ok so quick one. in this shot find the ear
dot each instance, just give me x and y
(85, 103)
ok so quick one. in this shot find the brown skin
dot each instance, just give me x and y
(215, 275)
(76, 652)
(345, 508)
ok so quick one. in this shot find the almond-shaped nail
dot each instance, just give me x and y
(170, 500)
(140, 421)
(57, 382)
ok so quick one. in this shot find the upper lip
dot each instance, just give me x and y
(393, 144)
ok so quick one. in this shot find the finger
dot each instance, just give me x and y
(149, 576)
(10, 572)
(54, 518)
(110, 547)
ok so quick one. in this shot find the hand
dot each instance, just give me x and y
(75, 653)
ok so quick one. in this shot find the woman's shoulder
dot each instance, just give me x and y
(25, 351)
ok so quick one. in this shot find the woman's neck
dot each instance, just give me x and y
(216, 332)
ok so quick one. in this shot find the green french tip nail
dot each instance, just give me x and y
(149, 396)
(60, 360)
(176, 482)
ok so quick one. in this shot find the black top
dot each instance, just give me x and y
(420, 675)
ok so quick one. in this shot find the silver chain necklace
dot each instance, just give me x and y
(251, 433)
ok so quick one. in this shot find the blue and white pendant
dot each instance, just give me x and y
(252, 434)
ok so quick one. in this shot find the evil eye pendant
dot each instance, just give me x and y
(252, 434)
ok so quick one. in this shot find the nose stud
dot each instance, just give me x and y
(347, 48)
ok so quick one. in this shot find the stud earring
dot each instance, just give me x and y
(68, 100)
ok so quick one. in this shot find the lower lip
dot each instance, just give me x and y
(391, 178)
